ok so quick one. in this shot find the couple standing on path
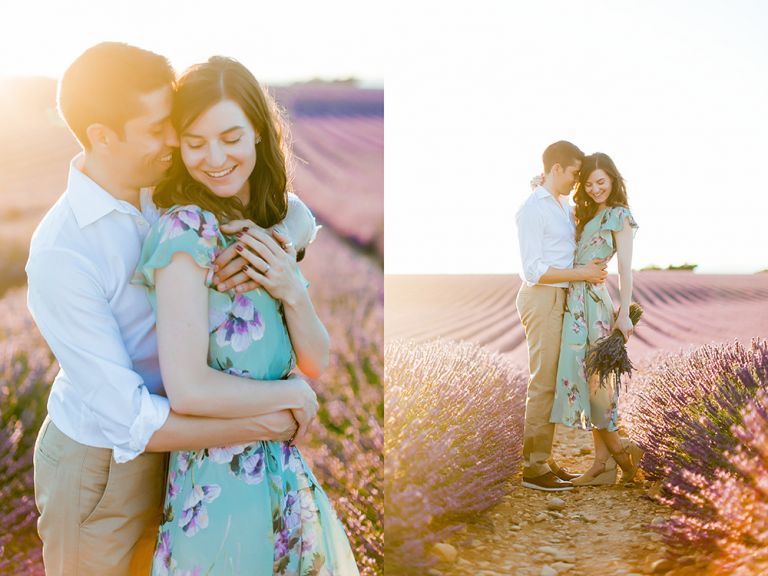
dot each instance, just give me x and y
(165, 281)
(565, 308)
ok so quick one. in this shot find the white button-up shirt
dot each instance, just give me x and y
(547, 235)
(100, 327)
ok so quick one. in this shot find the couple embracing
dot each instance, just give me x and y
(565, 309)
(165, 281)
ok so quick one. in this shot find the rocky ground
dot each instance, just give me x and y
(590, 531)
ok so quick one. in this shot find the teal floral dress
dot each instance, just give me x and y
(252, 508)
(589, 316)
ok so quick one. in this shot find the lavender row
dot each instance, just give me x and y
(701, 418)
(454, 415)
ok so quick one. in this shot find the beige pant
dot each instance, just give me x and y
(97, 517)
(541, 312)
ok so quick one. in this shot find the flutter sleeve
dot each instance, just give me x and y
(618, 215)
(187, 229)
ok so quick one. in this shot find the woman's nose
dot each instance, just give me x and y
(216, 156)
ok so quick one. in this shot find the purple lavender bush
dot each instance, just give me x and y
(345, 448)
(454, 419)
(26, 371)
(692, 413)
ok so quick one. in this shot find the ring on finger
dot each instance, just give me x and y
(266, 270)
(287, 245)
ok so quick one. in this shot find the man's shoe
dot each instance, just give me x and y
(562, 473)
(548, 483)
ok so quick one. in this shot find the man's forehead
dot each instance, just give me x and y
(154, 106)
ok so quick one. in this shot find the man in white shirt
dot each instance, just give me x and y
(546, 234)
(101, 454)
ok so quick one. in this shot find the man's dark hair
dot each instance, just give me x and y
(104, 83)
(563, 153)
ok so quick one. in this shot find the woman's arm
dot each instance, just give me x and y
(624, 238)
(273, 266)
(194, 388)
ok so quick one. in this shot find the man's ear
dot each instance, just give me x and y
(100, 136)
(557, 168)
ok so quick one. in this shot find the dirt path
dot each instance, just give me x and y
(599, 530)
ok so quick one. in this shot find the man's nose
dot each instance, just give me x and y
(171, 138)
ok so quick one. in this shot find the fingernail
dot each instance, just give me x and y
(239, 248)
(245, 228)
(239, 235)
(245, 268)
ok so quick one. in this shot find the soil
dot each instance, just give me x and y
(601, 530)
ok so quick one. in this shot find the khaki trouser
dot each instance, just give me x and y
(97, 517)
(541, 312)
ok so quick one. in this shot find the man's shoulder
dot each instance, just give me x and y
(529, 206)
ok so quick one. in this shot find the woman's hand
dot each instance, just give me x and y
(258, 258)
(624, 324)
(307, 411)
(537, 181)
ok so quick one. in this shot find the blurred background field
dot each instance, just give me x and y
(338, 139)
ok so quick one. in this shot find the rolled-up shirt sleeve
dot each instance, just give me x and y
(73, 314)
(530, 236)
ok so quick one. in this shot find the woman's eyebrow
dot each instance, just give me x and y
(227, 131)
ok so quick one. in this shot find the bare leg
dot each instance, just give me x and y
(628, 458)
(603, 470)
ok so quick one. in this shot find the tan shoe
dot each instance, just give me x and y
(605, 476)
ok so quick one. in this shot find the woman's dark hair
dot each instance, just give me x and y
(586, 208)
(202, 86)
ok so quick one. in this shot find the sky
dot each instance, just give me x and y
(675, 92)
(280, 41)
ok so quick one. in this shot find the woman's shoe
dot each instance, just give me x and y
(604, 477)
(628, 459)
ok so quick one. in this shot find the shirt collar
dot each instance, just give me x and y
(89, 201)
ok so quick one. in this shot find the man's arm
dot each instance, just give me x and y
(180, 432)
(530, 234)
(73, 315)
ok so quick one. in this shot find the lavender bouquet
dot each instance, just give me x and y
(608, 358)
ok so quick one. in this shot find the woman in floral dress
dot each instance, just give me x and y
(604, 227)
(253, 508)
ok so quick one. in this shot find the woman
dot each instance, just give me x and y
(251, 509)
(604, 227)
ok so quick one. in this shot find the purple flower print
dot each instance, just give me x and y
(603, 328)
(161, 562)
(253, 467)
(243, 325)
(291, 512)
(596, 240)
(173, 485)
(576, 327)
(184, 460)
(282, 544)
(224, 454)
(179, 221)
(194, 516)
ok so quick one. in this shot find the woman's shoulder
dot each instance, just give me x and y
(182, 218)
(615, 216)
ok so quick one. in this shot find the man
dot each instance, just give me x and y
(546, 233)
(100, 456)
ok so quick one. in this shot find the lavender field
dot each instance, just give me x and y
(455, 377)
(338, 137)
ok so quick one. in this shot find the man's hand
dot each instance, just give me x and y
(594, 272)
(307, 412)
(277, 426)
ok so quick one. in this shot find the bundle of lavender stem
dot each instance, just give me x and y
(608, 357)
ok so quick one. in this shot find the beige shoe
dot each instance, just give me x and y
(606, 477)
